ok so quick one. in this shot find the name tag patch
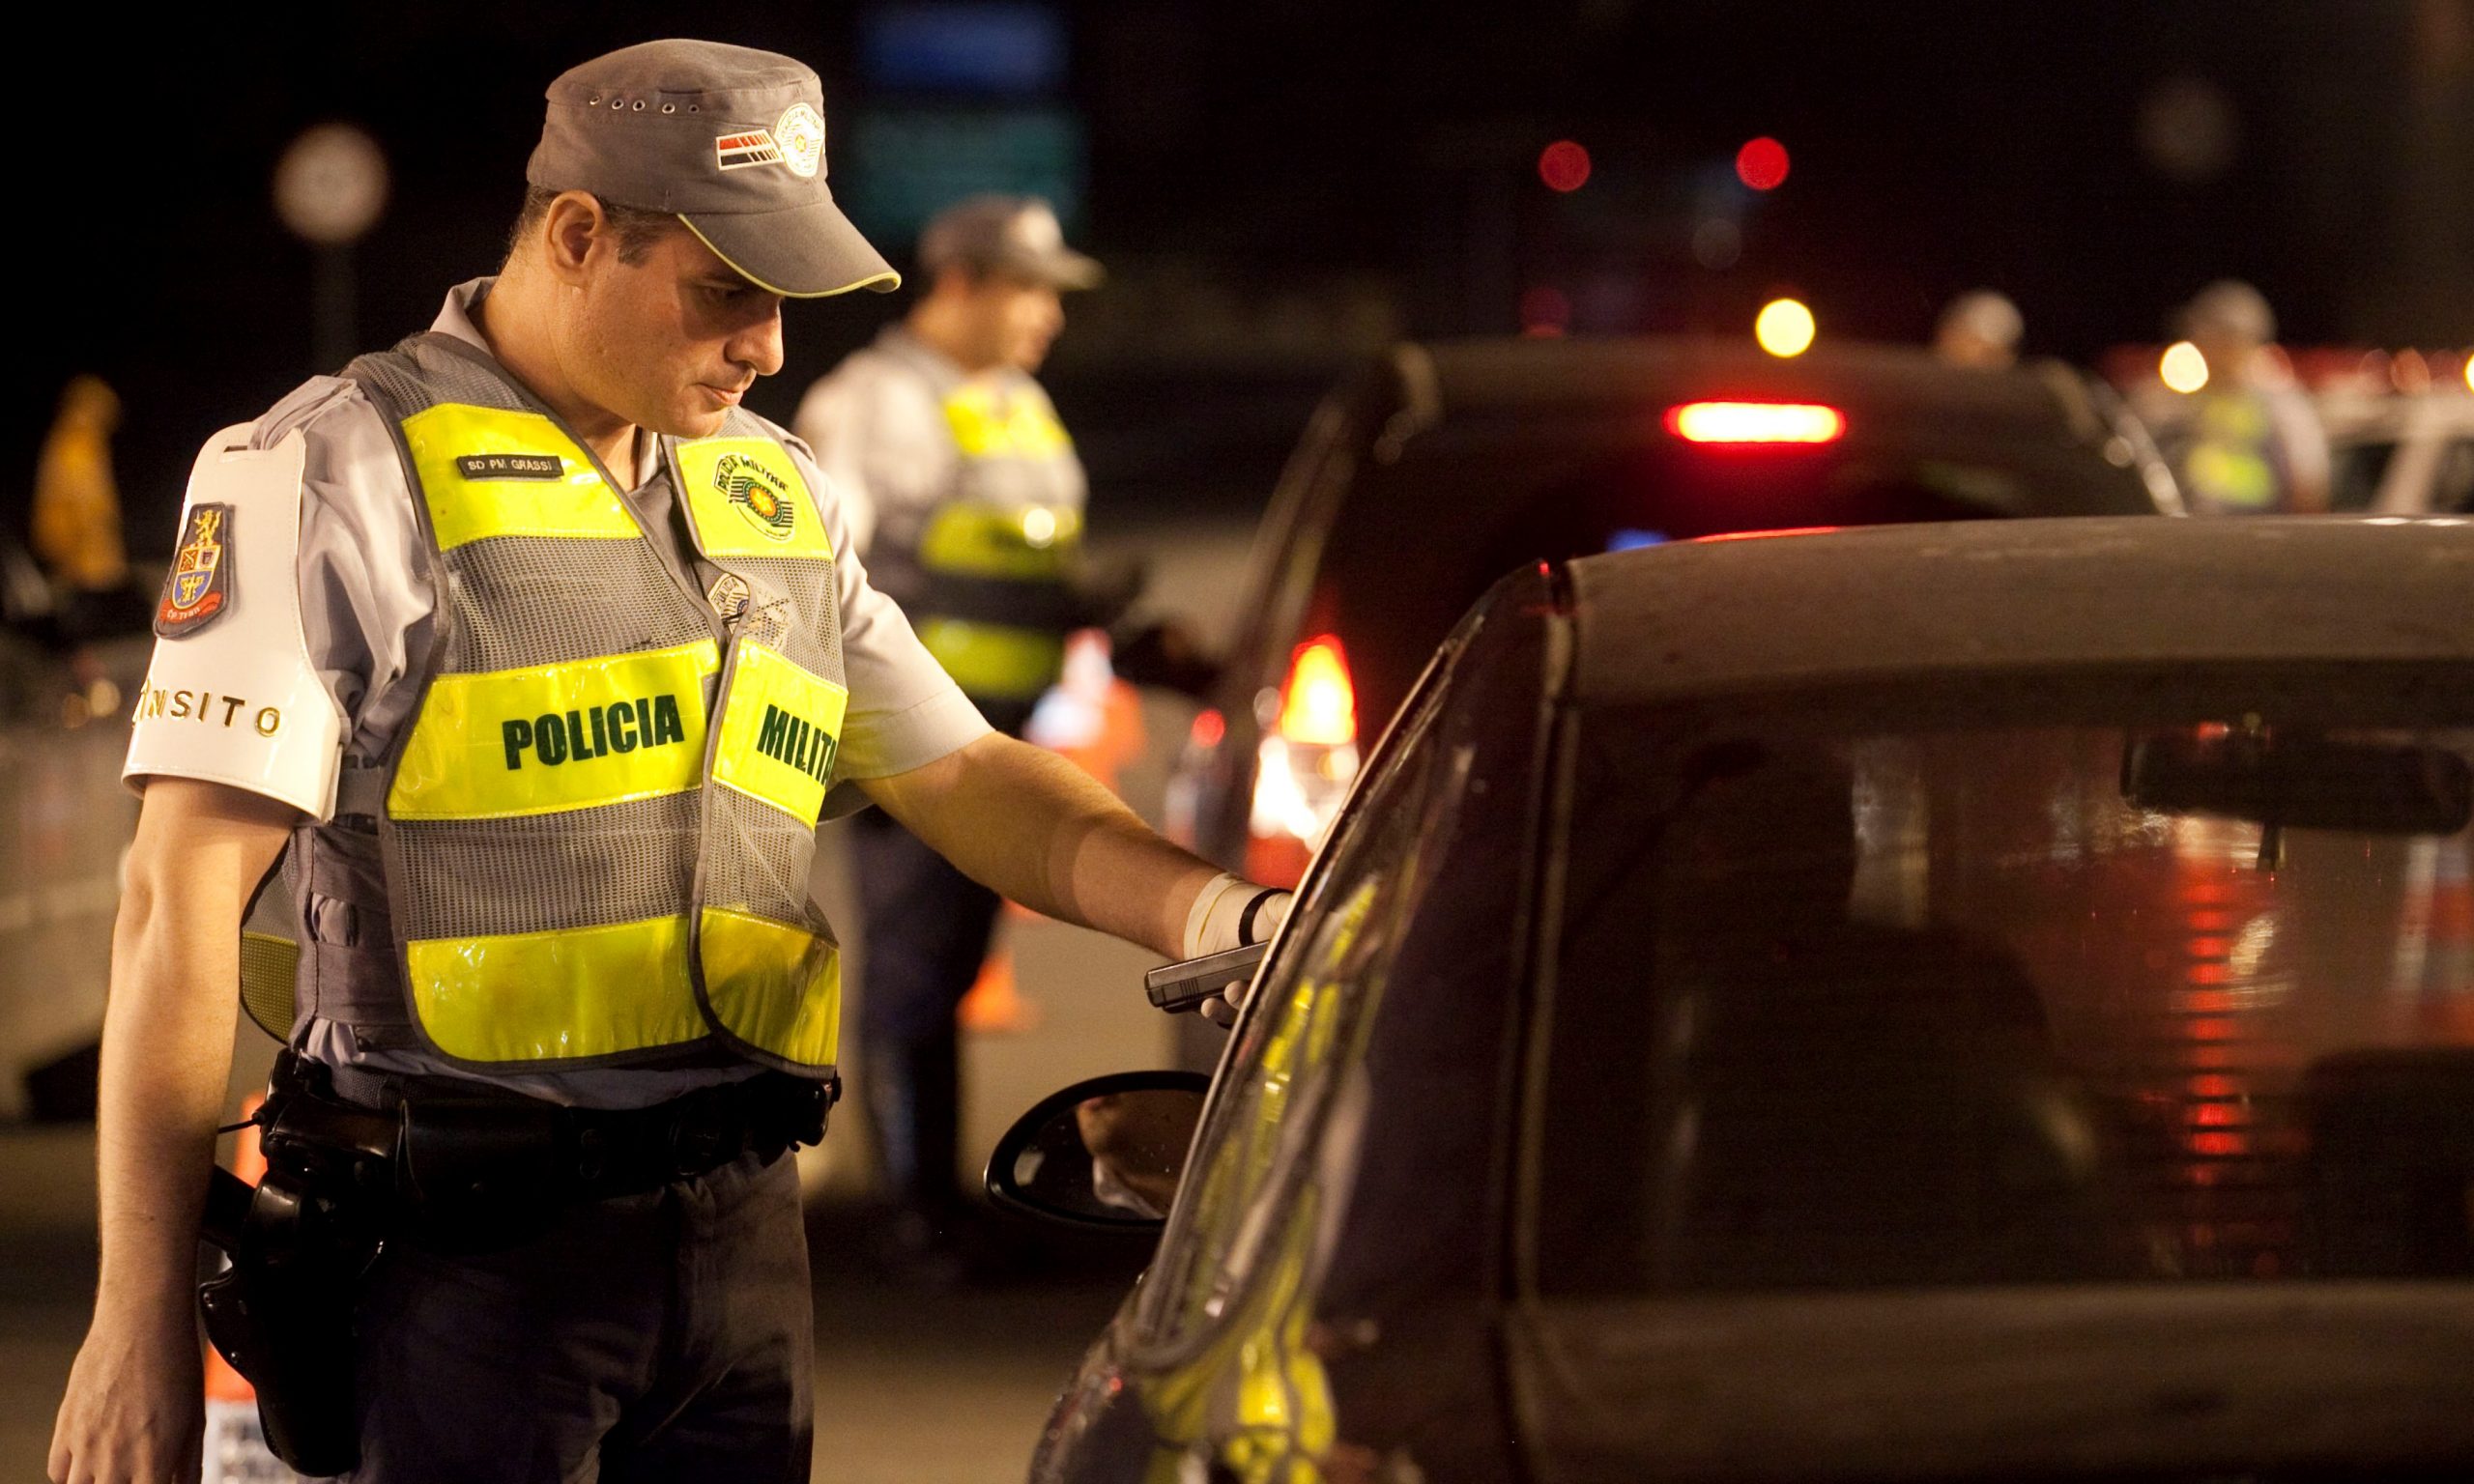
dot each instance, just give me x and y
(511, 465)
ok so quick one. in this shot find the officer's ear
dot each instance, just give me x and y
(568, 229)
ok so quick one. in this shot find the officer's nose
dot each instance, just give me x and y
(758, 345)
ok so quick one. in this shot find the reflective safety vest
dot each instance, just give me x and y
(2229, 467)
(996, 559)
(596, 827)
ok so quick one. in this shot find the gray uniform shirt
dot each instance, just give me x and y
(366, 619)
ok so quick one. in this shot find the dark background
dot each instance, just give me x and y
(1282, 184)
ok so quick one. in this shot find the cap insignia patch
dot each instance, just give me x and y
(747, 148)
(198, 588)
(760, 494)
(801, 132)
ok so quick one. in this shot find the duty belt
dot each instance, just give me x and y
(457, 1149)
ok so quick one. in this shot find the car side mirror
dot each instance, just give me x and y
(1106, 1153)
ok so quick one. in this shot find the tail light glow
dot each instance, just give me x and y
(1305, 762)
(1319, 703)
(1756, 422)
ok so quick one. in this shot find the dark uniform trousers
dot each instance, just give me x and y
(660, 1336)
(926, 931)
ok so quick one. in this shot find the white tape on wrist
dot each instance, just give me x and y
(1232, 913)
(1198, 917)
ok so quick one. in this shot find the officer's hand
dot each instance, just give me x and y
(134, 1408)
(1231, 913)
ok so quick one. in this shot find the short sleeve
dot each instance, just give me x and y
(316, 489)
(904, 711)
(232, 695)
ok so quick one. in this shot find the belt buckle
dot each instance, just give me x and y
(695, 1146)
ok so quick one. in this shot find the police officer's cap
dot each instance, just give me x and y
(729, 139)
(1015, 237)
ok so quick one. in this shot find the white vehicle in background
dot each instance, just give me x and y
(2401, 434)
(2399, 424)
(66, 682)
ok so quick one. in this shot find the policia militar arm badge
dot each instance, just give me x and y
(198, 590)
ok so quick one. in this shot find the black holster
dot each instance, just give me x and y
(282, 1311)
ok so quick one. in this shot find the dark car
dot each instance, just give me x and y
(1984, 1002)
(1438, 466)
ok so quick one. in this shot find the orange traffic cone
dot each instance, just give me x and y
(994, 1006)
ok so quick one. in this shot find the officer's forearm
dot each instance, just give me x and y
(167, 1034)
(1033, 827)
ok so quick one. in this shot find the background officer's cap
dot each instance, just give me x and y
(729, 139)
(1013, 237)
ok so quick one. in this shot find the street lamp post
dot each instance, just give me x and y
(330, 188)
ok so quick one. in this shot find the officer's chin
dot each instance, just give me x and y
(696, 422)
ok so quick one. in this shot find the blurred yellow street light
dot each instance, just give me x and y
(1784, 327)
(2182, 368)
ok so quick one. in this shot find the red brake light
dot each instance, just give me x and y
(1319, 704)
(1755, 422)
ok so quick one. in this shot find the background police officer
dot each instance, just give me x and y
(966, 499)
(425, 627)
(2248, 441)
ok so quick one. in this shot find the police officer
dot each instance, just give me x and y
(2247, 442)
(534, 658)
(966, 499)
(1979, 331)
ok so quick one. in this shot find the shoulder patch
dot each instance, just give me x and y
(198, 590)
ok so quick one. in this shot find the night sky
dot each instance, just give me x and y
(1278, 188)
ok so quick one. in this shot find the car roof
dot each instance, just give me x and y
(1732, 617)
(1527, 376)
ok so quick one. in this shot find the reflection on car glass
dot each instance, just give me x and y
(2024, 1005)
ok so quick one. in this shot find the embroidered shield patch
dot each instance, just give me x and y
(198, 590)
(758, 493)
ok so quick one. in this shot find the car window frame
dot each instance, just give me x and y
(1161, 1335)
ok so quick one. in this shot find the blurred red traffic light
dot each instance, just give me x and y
(1563, 165)
(1762, 164)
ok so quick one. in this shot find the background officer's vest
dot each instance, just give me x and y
(593, 836)
(998, 558)
(2229, 464)
(987, 575)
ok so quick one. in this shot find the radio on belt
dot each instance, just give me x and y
(1177, 987)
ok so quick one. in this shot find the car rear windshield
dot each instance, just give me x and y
(1416, 540)
(2190, 1000)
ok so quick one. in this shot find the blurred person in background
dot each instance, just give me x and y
(967, 501)
(2246, 442)
(1980, 330)
(76, 528)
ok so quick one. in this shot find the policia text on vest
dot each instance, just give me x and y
(624, 725)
